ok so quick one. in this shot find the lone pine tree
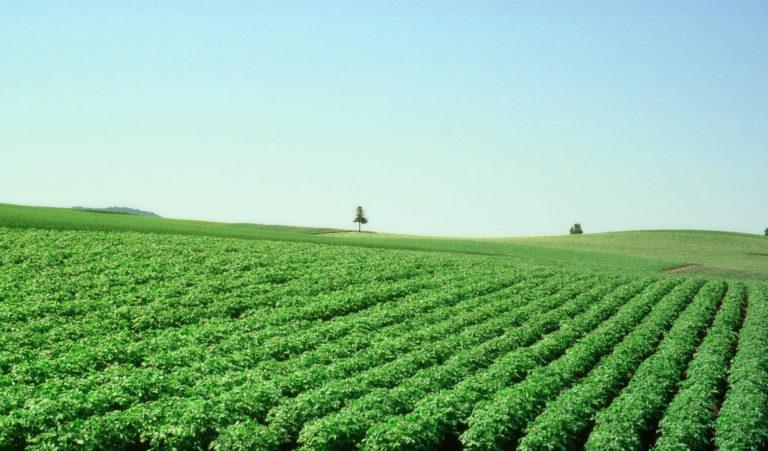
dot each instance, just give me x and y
(360, 218)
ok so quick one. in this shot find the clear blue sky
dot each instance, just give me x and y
(442, 118)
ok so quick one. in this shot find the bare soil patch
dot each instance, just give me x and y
(681, 268)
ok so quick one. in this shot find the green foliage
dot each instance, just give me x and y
(570, 417)
(501, 421)
(360, 415)
(122, 340)
(435, 417)
(743, 420)
(689, 420)
(630, 420)
(576, 229)
(717, 254)
(152, 306)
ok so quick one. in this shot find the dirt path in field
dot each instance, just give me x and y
(682, 268)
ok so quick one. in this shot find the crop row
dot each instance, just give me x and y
(689, 420)
(437, 416)
(102, 272)
(120, 312)
(503, 420)
(287, 419)
(569, 418)
(630, 420)
(72, 298)
(163, 351)
(258, 388)
(743, 420)
(76, 357)
(347, 427)
(175, 382)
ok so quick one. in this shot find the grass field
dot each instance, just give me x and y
(723, 254)
(715, 254)
(21, 216)
(203, 335)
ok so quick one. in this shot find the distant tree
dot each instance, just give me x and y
(360, 218)
(766, 231)
(576, 229)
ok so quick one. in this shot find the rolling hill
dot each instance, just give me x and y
(711, 254)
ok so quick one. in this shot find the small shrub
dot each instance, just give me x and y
(576, 229)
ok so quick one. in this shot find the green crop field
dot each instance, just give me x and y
(125, 332)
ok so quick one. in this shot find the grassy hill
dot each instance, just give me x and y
(725, 254)
(721, 254)
(20, 216)
(712, 254)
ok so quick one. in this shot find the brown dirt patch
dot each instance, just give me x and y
(681, 268)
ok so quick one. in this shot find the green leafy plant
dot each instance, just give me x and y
(743, 419)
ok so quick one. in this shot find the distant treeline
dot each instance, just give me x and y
(119, 210)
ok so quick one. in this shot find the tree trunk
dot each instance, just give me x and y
(358, 227)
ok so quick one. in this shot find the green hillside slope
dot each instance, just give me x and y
(21, 216)
(726, 254)
(722, 254)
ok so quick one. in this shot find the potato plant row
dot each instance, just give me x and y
(502, 421)
(631, 419)
(107, 325)
(73, 391)
(689, 420)
(436, 416)
(260, 387)
(274, 389)
(359, 415)
(743, 419)
(286, 420)
(570, 417)
(115, 278)
(141, 341)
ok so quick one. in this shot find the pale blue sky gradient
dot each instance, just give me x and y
(440, 118)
